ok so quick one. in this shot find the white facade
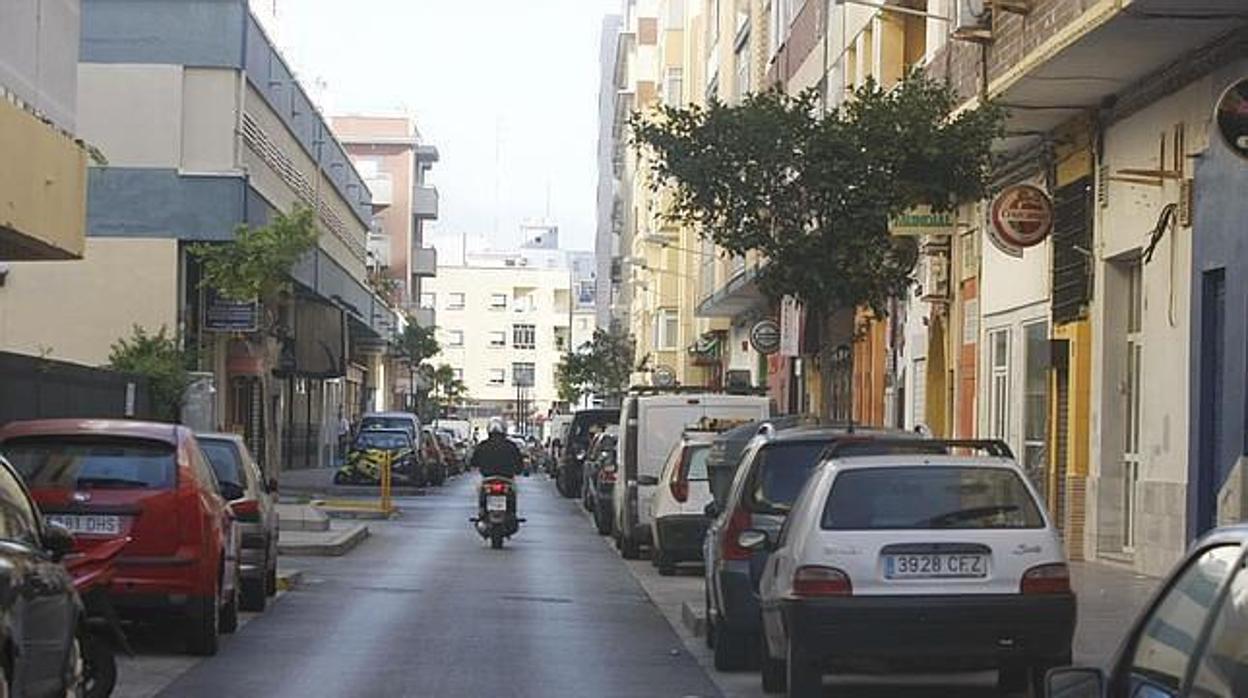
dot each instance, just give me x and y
(496, 323)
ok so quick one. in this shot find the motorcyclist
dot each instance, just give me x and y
(497, 456)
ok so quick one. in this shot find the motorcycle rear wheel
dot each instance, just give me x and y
(99, 667)
(496, 541)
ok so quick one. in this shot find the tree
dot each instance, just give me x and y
(256, 264)
(448, 390)
(160, 359)
(415, 346)
(600, 367)
(812, 192)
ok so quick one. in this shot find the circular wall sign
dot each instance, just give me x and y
(663, 377)
(765, 336)
(1022, 215)
(1232, 117)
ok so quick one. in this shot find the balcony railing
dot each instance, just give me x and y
(425, 262)
(425, 202)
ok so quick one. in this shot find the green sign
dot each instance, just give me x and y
(922, 220)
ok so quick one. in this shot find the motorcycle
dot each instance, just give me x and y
(496, 519)
(99, 629)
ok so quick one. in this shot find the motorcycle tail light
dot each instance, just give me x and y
(496, 488)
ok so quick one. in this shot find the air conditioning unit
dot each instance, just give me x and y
(973, 21)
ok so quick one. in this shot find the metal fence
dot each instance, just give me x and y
(34, 388)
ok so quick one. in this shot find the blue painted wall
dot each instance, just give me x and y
(146, 202)
(1220, 240)
(204, 33)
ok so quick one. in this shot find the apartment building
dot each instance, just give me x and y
(203, 128)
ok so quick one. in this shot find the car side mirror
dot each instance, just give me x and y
(232, 491)
(754, 539)
(271, 486)
(1074, 682)
(711, 510)
(57, 540)
(647, 480)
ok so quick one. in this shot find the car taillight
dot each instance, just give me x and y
(821, 581)
(680, 490)
(1046, 579)
(731, 549)
(607, 476)
(246, 510)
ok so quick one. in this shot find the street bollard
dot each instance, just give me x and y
(386, 464)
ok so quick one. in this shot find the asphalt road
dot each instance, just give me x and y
(426, 608)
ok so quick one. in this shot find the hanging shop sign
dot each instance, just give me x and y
(1020, 217)
(1232, 117)
(765, 336)
(790, 327)
(922, 220)
(224, 315)
(663, 377)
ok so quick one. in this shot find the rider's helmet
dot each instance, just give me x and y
(496, 426)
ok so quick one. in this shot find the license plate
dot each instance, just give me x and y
(89, 524)
(496, 504)
(944, 565)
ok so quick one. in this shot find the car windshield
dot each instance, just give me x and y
(695, 462)
(92, 462)
(382, 440)
(929, 497)
(225, 459)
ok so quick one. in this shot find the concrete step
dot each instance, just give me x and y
(338, 540)
(288, 579)
(693, 616)
(301, 517)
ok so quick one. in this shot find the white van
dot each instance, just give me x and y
(651, 425)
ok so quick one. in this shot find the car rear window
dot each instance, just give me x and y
(223, 455)
(382, 441)
(929, 497)
(695, 462)
(780, 471)
(386, 423)
(92, 462)
(585, 426)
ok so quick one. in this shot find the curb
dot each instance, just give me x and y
(694, 619)
(335, 546)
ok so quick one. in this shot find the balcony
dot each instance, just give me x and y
(378, 250)
(43, 189)
(424, 317)
(424, 262)
(425, 202)
(382, 188)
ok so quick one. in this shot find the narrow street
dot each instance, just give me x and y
(423, 608)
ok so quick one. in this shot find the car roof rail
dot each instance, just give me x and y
(992, 447)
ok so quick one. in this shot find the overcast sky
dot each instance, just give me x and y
(506, 89)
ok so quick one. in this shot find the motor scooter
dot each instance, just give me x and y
(99, 630)
(496, 518)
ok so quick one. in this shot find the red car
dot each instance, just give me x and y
(108, 478)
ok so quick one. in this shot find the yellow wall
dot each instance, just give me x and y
(76, 310)
(43, 189)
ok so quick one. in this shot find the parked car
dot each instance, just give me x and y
(727, 447)
(452, 453)
(650, 425)
(366, 458)
(678, 505)
(390, 420)
(253, 500)
(152, 483)
(37, 588)
(600, 476)
(585, 424)
(874, 542)
(434, 462)
(1189, 640)
(773, 470)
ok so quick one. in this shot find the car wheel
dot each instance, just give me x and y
(75, 670)
(229, 612)
(732, 649)
(99, 667)
(709, 637)
(270, 575)
(773, 670)
(667, 567)
(496, 541)
(802, 673)
(629, 549)
(254, 597)
(202, 626)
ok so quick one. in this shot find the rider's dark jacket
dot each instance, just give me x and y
(497, 456)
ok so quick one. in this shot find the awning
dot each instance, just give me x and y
(1104, 55)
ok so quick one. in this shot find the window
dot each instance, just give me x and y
(673, 87)
(457, 374)
(225, 460)
(1131, 445)
(455, 301)
(454, 338)
(524, 336)
(1223, 667)
(1164, 649)
(1035, 400)
(929, 498)
(498, 338)
(919, 383)
(92, 461)
(999, 384)
(498, 301)
(666, 329)
(497, 376)
(743, 68)
(429, 300)
(523, 374)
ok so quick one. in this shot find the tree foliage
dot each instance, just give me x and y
(159, 358)
(813, 192)
(599, 367)
(256, 264)
(448, 391)
(416, 344)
